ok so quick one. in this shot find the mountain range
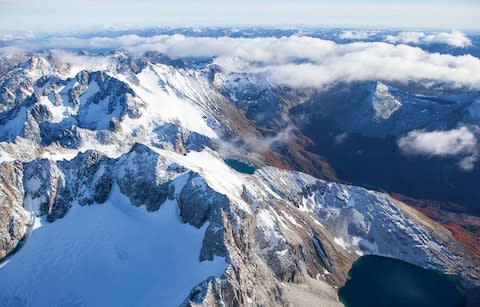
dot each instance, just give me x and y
(115, 191)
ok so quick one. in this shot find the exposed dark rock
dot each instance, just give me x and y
(42, 179)
(13, 218)
(181, 139)
(138, 180)
(199, 203)
(92, 179)
(41, 113)
(112, 97)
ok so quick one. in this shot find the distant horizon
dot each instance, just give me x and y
(136, 29)
(120, 28)
(55, 16)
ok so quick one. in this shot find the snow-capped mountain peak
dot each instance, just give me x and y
(383, 102)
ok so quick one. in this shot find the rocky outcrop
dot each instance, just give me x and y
(172, 136)
(138, 179)
(199, 203)
(13, 218)
(88, 177)
(103, 93)
(42, 181)
(52, 187)
(247, 280)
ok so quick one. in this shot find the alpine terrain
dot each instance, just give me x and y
(114, 189)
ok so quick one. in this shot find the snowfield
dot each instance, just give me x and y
(112, 254)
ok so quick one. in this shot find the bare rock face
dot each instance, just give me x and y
(16, 86)
(137, 177)
(13, 218)
(108, 95)
(42, 179)
(88, 177)
(180, 139)
(51, 187)
(199, 203)
(247, 280)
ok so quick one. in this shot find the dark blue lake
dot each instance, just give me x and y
(380, 281)
(240, 166)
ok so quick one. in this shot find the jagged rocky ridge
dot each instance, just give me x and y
(284, 234)
(282, 229)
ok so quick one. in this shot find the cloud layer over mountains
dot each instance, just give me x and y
(297, 61)
(454, 38)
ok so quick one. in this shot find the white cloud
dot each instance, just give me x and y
(340, 138)
(297, 61)
(264, 144)
(355, 35)
(454, 38)
(455, 142)
(406, 38)
(468, 163)
(77, 62)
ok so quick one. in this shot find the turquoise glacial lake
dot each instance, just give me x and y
(240, 166)
(380, 281)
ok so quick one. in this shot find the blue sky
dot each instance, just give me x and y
(60, 16)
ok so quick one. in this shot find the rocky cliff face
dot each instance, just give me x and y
(13, 217)
(71, 136)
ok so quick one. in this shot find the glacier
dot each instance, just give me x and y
(108, 254)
